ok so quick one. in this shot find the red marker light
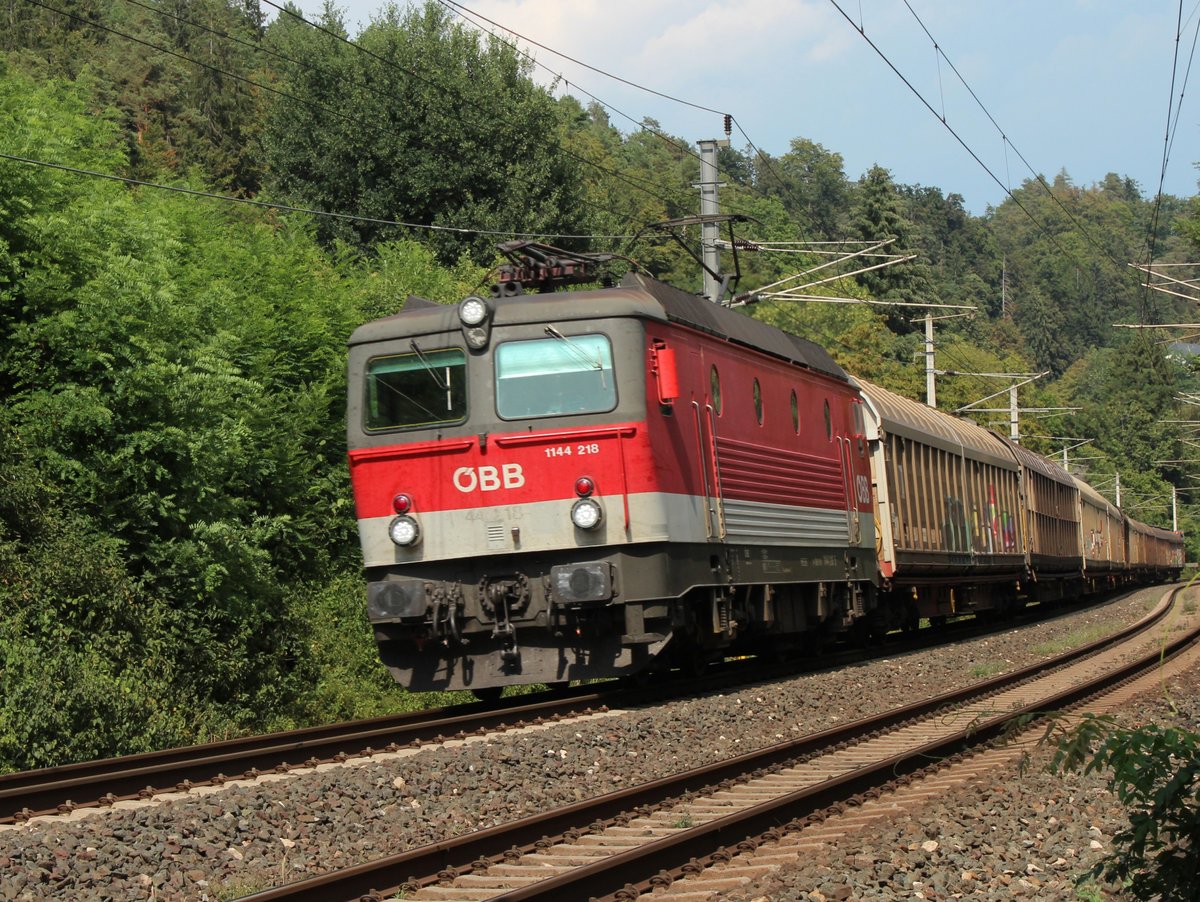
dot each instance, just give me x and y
(402, 503)
(584, 486)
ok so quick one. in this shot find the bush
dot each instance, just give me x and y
(1156, 775)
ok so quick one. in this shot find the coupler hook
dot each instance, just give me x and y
(510, 652)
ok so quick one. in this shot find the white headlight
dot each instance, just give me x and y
(586, 513)
(472, 311)
(404, 531)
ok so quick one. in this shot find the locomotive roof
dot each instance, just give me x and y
(688, 309)
(637, 295)
(899, 415)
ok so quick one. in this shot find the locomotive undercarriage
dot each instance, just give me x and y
(559, 619)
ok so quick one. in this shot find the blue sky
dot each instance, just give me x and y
(1080, 85)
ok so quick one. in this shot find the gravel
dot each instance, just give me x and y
(1016, 836)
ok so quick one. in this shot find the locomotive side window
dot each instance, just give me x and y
(418, 389)
(795, 413)
(548, 377)
(828, 422)
(758, 409)
(715, 381)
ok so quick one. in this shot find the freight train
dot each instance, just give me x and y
(590, 484)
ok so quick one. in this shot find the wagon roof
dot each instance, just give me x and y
(1095, 498)
(637, 295)
(1156, 531)
(1037, 463)
(902, 416)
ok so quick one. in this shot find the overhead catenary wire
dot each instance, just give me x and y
(967, 147)
(1038, 177)
(595, 69)
(733, 121)
(1168, 139)
(469, 15)
(1087, 234)
(286, 208)
(860, 28)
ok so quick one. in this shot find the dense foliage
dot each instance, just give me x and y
(174, 518)
(420, 121)
(177, 549)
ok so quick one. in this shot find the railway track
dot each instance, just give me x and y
(628, 842)
(107, 782)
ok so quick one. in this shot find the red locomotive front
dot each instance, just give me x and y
(500, 464)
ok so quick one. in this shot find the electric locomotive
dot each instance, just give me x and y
(583, 485)
(579, 485)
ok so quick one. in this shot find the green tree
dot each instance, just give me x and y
(172, 466)
(878, 214)
(426, 122)
(180, 77)
(811, 182)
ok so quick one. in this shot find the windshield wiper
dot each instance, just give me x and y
(577, 351)
(433, 374)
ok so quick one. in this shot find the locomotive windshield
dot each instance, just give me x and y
(423, 388)
(555, 376)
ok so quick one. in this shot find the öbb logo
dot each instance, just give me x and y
(489, 479)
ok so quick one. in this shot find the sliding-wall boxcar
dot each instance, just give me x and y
(1101, 538)
(947, 496)
(1049, 513)
(1154, 553)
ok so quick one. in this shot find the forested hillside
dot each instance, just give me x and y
(178, 556)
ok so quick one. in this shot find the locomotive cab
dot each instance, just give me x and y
(499, 465)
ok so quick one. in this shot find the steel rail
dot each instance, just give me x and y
(484, 847)
(93, 784)
(638, 866)
(48, 790)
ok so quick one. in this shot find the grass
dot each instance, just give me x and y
(1074, 639)
(988, 668)
(237, 889)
